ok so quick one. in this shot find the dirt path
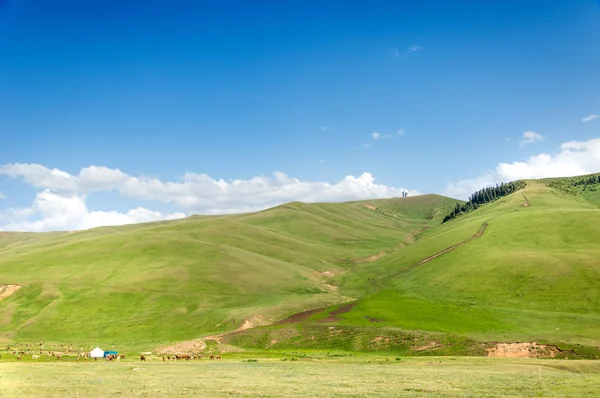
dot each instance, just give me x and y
(446, 250)
(526, 204)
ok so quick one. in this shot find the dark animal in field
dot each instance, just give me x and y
(142, 358)
(218, 357)
(18, 357)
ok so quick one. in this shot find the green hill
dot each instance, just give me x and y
(176, 280)
(533, 275)
(380, 275)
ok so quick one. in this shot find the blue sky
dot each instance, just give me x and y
(135, 95)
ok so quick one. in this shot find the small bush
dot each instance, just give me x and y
(398, 359)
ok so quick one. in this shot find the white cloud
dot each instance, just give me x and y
(589, 118)
(464, 188)
(414, 49)
(574, 158)
(2, 196)
(367, 145)
(194, 193)
(529, 137)
(396, 52)
(376, 135)
(53, 211)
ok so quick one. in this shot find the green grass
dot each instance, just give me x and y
(534, 275)
(317, 376)
(171, 281)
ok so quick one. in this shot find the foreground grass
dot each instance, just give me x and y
(362, 377)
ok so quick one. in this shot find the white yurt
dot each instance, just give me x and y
(96, 353)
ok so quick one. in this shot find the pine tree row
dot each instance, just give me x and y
(483, 196)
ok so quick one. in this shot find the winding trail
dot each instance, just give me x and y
(446, 250)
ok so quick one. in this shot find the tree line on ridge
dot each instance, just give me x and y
(485, 195)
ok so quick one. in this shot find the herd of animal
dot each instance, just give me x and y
(36, 351)
(186, 357)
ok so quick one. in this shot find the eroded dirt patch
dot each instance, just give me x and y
(8, 290)
(333, 315)
(432, 345)
(375, 257)
(299, 317)
(253, 321)
(522, 350)
(371, 207)
(190, 346)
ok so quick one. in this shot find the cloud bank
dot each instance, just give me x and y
(62, 202)
(574, 158)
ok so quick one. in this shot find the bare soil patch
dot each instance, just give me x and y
(8, 290)
(333, 314)
(429, 346)
(299, 317)
(371, 207)
(522, 350)
(252, 322)
(375, 257)
(190, 346)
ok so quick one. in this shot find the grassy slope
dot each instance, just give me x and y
(533, 276)
(178, 280)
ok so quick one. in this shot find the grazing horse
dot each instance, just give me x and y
(212, 357)
(218, 357)
(142, 358)
(18, 357)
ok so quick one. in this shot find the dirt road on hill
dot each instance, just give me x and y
(446, 250)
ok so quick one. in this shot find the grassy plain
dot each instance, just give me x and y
(364, 376)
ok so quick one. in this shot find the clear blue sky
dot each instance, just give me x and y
(237, 89)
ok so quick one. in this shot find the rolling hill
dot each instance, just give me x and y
(380, 275)
(532, 276)
(168, 281)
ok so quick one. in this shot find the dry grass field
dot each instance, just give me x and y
(360, 377)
